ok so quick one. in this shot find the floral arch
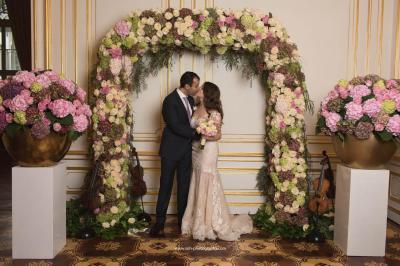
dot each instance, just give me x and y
(143, 43)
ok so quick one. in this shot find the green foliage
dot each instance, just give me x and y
(384, 135)
(12, 129)
(265, 184)
(325, 222)
(320, 124)
(79, 218)
(262, 220)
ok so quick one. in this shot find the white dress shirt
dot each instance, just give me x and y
(182, 96)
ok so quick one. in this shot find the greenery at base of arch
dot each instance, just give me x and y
(255, 43)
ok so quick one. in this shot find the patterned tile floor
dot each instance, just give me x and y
(253, 249)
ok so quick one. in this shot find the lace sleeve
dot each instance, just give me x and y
(216, 117)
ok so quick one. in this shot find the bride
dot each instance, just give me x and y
(207, 215)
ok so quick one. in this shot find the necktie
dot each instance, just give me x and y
(187, 106)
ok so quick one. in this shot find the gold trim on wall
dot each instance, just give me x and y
(48, 35)
(75, 15)
(88, 40)
(397, 44)
(368, 36)
(379, 34)
(62, 36)
(357, 17)
(35, 43)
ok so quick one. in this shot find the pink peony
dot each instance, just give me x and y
(332, 120)
(122, 28)
(80, 123)
(57, 127)
(393, 125)
(354, 111)
(61, 108)
(371, 107)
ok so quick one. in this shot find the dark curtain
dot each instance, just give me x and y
(19, 12)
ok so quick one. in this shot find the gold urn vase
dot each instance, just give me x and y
(31, 152)
(371, 153)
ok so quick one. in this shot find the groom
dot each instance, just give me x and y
(176, 149)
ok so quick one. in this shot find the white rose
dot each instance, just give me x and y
(157, 26)
(105, 225)
(109, 97)
(150, 21)
(205, 13)
(131, 220)
(143, 21)
(111, 119)
(178, 42)
(272, 219)
(168, 15)
(176, 13)
(274, 50)
(168, 25)
(114, 209)
(305, 227)
(295, 191)
(96, 92)
(113, 222)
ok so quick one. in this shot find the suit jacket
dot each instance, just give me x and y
(178, 134)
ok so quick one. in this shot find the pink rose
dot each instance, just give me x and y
(57, 127)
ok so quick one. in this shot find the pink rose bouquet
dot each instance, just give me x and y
(361, 107)
(44, 102)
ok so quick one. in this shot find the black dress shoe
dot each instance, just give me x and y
(157, 230)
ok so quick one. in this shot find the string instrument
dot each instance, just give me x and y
(320, 202)
(139, 187)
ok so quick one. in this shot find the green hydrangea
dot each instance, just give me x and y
(275, 180)
(301, 200)
(229, 40)
(343, 83)
(108, 42)
(110, 105)
(198, 41)
(20, 117)
(389, 106)
(221, 49)
(248, 21)
(129, 42)
(95, 119)
(380, 84)
(36, 87)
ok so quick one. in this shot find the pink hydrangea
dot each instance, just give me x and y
(83, 110)
(115, 52)
(115, 66)
(343, 92)
(359, 91)
(122, 28)
(371, 107)
(43, 80)
(332, 120)
(53, 76)
(393, 125)
(354, 111)
(392, 84)
(80, 123)
(61, 108)
(81, 94)
(19, 103)
(43, 104)
(9, 118)
(25, 77)
(68, 84)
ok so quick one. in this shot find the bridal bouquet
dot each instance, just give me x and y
(207, 128)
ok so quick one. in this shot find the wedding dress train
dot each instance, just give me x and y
(206, 215)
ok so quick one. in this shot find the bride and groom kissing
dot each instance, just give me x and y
(202, 212)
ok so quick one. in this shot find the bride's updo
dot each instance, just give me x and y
(212, 97)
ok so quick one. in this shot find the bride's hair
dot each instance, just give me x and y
(212, 97)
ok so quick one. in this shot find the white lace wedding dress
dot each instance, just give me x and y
(207, 215)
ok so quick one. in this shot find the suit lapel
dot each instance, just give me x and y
(180, 103)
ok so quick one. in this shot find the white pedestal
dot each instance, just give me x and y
(38, 211)
(361, 211)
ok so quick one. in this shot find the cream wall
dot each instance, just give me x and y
(336, 39)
